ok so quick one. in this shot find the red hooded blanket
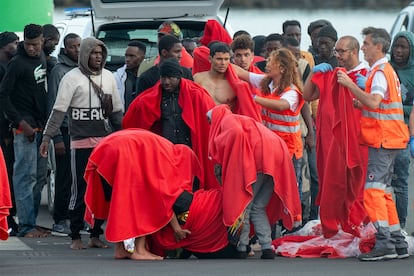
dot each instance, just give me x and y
(144, 112)
(341, 160)
(244, 148)
(213, 31)
(208, 233)
(146, 173)
(5, 199)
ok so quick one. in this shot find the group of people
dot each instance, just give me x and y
(219, 136)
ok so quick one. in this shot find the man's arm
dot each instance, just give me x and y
(372, 101)
(310, 90)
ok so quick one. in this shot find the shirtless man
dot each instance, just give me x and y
(214, 80)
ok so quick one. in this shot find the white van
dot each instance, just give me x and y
(116, 22)
(404, 20)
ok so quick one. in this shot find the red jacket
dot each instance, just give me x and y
(5, 199)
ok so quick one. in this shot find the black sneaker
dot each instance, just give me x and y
(402, 253)
(267, 254)
(378, 255)
(241, 255)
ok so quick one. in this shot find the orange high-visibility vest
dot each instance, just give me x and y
(384, 126)
(285, 123)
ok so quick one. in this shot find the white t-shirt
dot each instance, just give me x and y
(291, 96)
(379, 84)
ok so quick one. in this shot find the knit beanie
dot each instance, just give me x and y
(317, 24)
(171, 68)
(7, 37)
(328, 31)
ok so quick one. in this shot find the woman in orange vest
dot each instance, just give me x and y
(281, 100)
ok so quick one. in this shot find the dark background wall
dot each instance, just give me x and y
(308, 4)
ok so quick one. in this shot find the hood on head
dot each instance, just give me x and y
(86, 47)
(410, 38)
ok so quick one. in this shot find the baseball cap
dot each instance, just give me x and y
(170, 28)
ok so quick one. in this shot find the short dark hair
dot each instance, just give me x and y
(32, 31)
(50, 31)
(219, 47)
(274, 37)
(290, 23)
(242, 42)
(167, 42)
(70, 36)
(140, 45)
(241, 32)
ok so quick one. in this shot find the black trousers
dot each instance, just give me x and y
(63, 180)
(79, 159)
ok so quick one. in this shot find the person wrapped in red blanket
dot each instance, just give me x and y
(256, 173)
(134, 180)
(5, 199)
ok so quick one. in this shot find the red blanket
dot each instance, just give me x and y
(244, 148)
(144, 112)
(208, 233)
(213, 31)
(341, 160)
(5, 199)
(146, 172)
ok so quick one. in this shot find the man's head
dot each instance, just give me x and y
(402, 50)
(169, 28)
(169, 47)
(376, 44)
(134, 54)
(51, 35)
(219, 57)
(314, 28)
(259, 45)
(72, 43)
(92, 56)
(170, 75)
(33, 40)
(189, 44)
(8, 43)
(347, 52)
(273, 42)
(243, 51)
(292, 28)
(327, 38)
(293, 45)
(241, 32)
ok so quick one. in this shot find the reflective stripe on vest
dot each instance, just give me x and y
(281, 128)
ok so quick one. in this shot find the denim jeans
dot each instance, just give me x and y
(400, 184)
(256, 213)
(297, 165)
(29, 177)
(314, 185)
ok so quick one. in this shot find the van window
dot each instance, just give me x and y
(401, 23)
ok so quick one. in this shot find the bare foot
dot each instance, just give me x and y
(77, 245)
(97, 243)
(145, 256)
(120, 252)
(35, 234)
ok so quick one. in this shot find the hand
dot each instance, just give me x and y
(181, 234)
(412, 146)
(361, 80)
(344, 79)
(60, 148)
(28, 131)
(44, 148)
(322, 67)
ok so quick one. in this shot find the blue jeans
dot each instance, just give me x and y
(314, 184)
(29, 177)
(256, 213)
(297, 165)
(400, 184)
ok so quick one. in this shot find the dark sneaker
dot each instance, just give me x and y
(378, 255)
(402, 253)
(267, 254)
(60, 229)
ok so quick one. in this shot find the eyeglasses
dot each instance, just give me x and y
(341, 51)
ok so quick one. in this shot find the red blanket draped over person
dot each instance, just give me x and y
(5, 199)
(341, 160)
(146, 173)
(144, 112)
(208, 233)
(244, 147)
(214, 31)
